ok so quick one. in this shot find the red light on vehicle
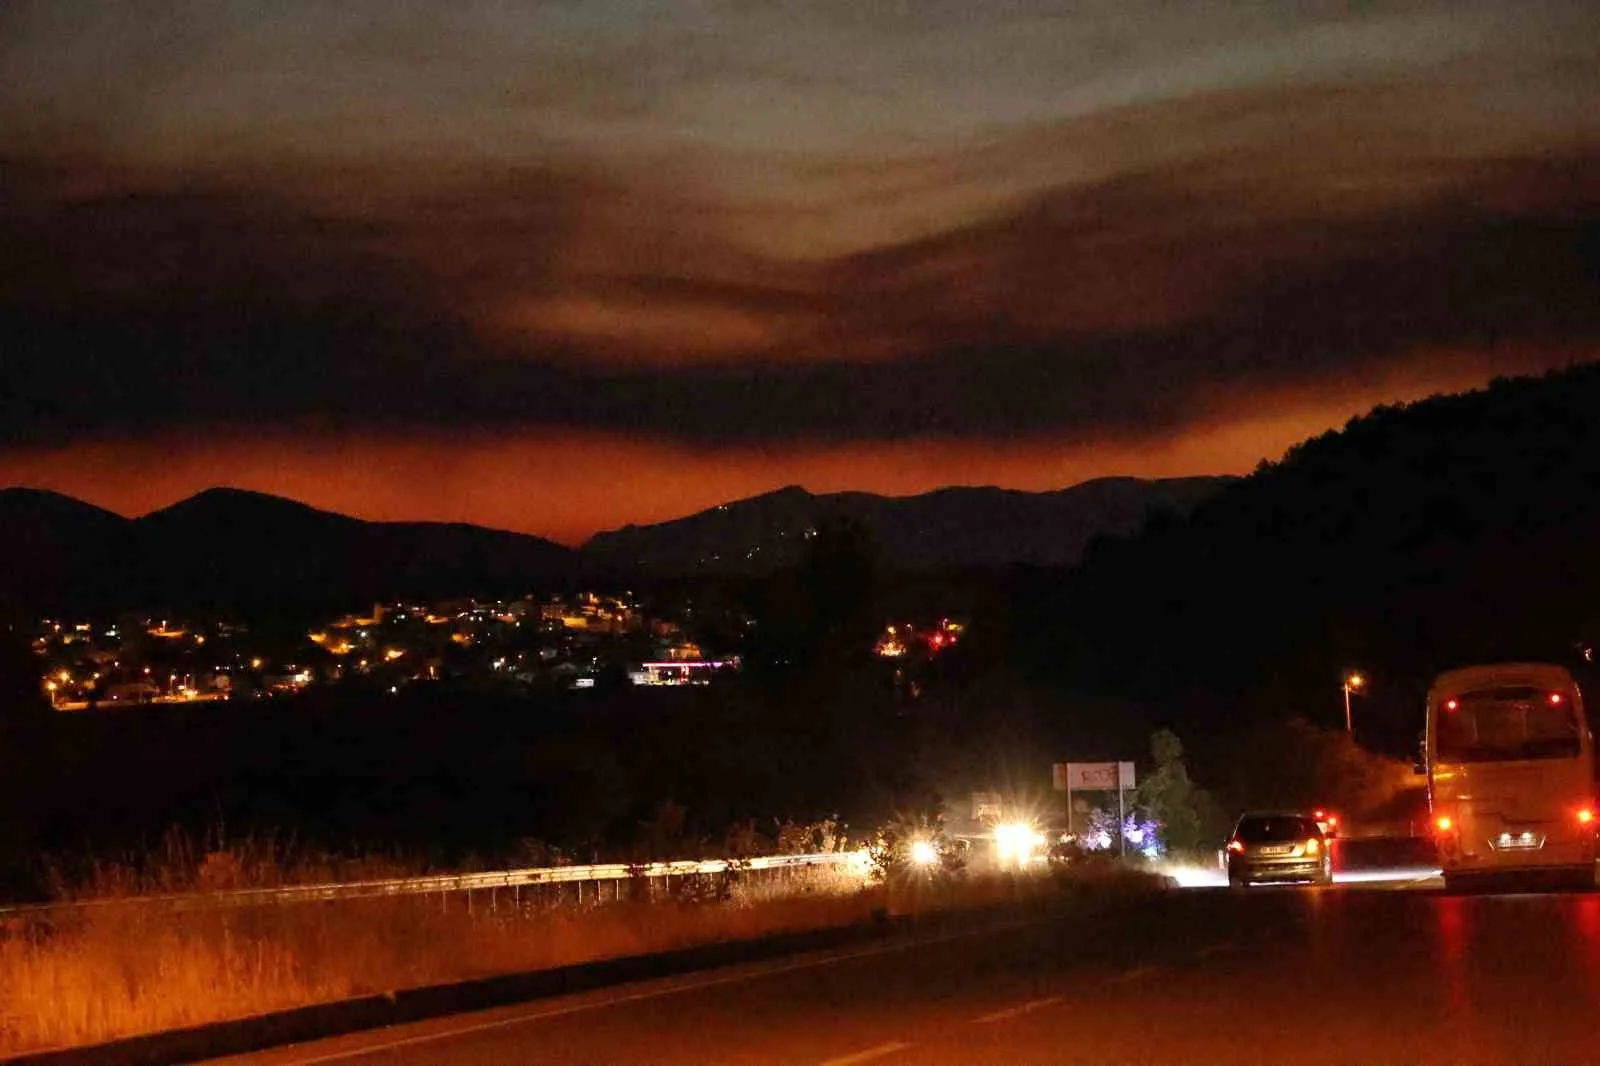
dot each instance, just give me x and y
(1451, 704)
(1555, 699)
(1585, 816)
(1313, 846)
(1333, 819)
(1236, 846)
(1444, 822)
(1319, 814)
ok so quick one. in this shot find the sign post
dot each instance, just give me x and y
(1122, 818)
(1094, 777)
(1059, 782)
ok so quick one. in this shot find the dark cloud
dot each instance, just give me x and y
(1129, 309)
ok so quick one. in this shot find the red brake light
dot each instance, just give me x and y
(1585, 815)
(1451, 704)
(1236, 846)
(1313, 846)
(1555, 699)
(1444, 823)
(1333, 819)
(1319, 814)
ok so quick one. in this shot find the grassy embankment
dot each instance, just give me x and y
(125, 967)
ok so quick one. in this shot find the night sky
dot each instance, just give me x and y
(555, 266)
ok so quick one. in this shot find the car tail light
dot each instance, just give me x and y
(1333, 819)
(1451, 704)
(1444, 823)
(1555, 699)
(1236, 846)
(1313, 846)
(1319, 814)
(1585, 815)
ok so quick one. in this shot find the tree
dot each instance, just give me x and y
(26, 758)
(1296, 764)
(822, 613)
(662, 837)
(896, 850)
(1184, 812)
(21, 698)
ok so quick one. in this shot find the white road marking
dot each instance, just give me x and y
(688, 985)
(1406, 875)
(1135, 974)
(876, 1052)
(1019, 1010)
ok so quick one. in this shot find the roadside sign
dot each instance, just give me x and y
(1092, 776)
(1070, 777)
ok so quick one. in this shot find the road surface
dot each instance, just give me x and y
(1347, 974)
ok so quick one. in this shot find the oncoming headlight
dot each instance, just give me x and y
(1015, 842)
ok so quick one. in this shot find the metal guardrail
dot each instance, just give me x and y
(445, 883)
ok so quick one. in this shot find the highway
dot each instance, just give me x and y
(1354, 973)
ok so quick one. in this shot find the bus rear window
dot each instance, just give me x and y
(1496, 724)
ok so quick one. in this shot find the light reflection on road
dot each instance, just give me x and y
(1412, 873)
(1207, 877)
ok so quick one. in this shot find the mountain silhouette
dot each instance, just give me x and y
(230, 549)
(961, 527)
(1457, 529)
(56, 549)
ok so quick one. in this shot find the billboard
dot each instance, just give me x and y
(1092, 776)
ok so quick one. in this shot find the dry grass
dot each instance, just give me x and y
(181, 863)
(126, 968)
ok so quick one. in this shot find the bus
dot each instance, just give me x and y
(1511, 780)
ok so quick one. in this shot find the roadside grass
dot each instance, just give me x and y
(126, 967)
(1112, 877)
(182, 863)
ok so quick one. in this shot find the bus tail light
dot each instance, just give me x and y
(1444, 823)
(1585, 815)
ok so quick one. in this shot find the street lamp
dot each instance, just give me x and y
(1352, 683)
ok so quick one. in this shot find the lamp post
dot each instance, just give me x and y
(1352, 683)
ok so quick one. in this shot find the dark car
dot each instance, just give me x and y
(1278, 846)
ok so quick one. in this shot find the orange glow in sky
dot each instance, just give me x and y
(419, 263)
(566, 487)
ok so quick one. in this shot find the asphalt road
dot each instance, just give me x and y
(1354, 973)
